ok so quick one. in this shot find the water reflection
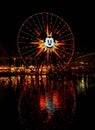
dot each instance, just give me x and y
(84, 81)
(45, 101)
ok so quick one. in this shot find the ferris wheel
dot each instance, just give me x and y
(45, 39)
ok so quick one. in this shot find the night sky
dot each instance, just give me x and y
(78, 15)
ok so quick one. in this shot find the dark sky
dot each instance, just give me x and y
(78, 15)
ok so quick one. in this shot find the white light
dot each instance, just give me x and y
(49, 42)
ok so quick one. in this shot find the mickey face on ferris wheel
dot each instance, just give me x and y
(49, 42)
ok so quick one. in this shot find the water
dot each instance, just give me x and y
(44, 102)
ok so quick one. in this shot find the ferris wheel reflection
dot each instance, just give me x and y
(47, 98)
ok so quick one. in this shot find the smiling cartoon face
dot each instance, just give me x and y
(49, 42)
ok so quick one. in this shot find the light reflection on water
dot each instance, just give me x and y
(47, 101)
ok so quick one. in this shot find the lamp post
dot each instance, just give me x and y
(14, 61)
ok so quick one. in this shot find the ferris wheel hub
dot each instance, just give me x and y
(49, 42)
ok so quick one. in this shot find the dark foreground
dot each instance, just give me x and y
(85, 115)
(84, 118)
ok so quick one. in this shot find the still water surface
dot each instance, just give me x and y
(42, 102)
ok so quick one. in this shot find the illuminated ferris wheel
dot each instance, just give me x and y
(45, 39)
